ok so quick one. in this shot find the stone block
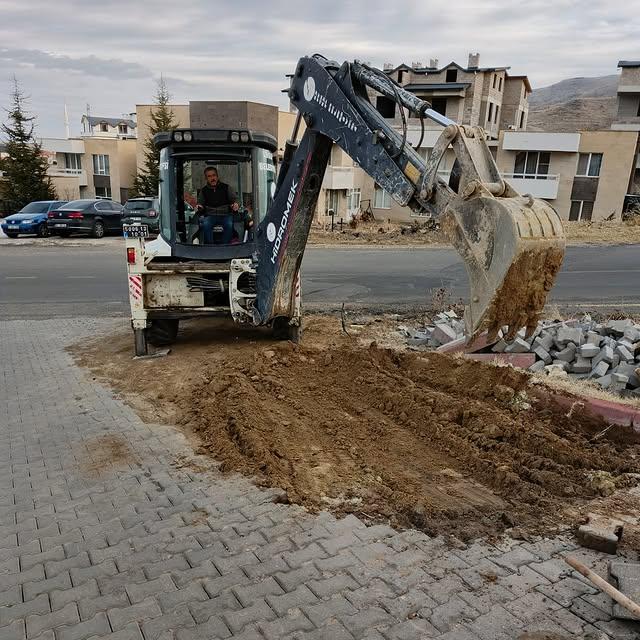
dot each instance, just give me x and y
(617, 327)
(444, 333)
(605, 355)
(589, 350)
(556, 370)
(594, 338)
(544, 355)
(604, 381)
(544, 340)
(569, 334)
(562, 363)
(600, 533)
(624, 353)
(519, 345)
(600, 369)
(581, 365)
(568, 354)
(537, 366)
(499, 346)
(627, 579)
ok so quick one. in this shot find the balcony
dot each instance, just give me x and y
(540, 141)
(63, 172)
(538, 185)
(338, 178)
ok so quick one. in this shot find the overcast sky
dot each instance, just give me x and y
(110, 54)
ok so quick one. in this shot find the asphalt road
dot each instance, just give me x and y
(67, 281)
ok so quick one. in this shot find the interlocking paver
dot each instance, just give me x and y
(148, 547)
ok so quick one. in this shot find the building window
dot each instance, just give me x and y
(381, 199)
(331, 202)
(73, 162)
(122, 128)
(101, 165)
(495, 77)
(104, 127)
(439, 105)
(580, 210)
(400, 76)
(103, 192)
(500, 84)
(490, 114)
(452, 75)
(353, 201)
(522, 119)
(497, 112)
(589, 164)
(532, 164)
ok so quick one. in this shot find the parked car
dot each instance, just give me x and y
(31, 219)
(92, 217)
(143, 211)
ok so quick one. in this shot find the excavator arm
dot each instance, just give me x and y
(512, 246)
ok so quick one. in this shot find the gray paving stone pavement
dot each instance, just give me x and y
(108, 532)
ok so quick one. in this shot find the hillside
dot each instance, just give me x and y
(574, 104)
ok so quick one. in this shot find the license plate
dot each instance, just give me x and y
(13, 226)
(135, 230)
(60, 224)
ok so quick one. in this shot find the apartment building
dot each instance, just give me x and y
(479, 96)
(584, 175)
(98, 164)
(628, 113)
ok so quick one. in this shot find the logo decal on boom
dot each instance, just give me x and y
(283, 223)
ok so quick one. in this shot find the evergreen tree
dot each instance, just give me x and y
(162, 119)
(24, 165)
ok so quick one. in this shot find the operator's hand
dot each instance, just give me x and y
(235, 206)
(199, 208)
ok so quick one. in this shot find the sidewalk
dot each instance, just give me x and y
(111, 528)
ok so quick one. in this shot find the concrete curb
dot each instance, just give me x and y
(610, 411)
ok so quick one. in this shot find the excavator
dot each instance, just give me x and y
(512, 245)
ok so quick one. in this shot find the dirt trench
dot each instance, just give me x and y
(441, 444)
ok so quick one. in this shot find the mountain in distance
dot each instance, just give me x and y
(575, 104)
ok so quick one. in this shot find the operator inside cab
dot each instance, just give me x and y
(217, 204)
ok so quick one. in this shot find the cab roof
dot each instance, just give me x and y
(231, 137)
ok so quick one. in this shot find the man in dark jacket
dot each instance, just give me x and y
(216, 194)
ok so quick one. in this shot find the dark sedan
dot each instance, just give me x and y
(92, 217)
(31, 219)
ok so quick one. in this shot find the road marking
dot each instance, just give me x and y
(20, 277)
(81, 277)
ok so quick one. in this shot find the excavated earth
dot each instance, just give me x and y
(420, 440)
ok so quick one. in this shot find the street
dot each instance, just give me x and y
(56, 281)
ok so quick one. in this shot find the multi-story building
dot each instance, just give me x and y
(479, 96)
(98, 164)
(583, 175)
(628, 112)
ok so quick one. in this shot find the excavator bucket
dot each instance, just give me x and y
(512, 249)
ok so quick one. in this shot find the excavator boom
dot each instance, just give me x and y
(511, 245)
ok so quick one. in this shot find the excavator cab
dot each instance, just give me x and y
(243, 163)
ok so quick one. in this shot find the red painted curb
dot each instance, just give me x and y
(612, 412)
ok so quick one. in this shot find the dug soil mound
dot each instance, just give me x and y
(420, 440)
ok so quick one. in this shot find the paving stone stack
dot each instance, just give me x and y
(607, 353)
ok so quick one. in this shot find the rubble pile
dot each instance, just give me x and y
(606, 353)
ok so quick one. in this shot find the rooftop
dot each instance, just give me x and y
(112, 122)
(629, 63)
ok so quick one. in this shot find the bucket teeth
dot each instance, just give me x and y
(512, 249)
